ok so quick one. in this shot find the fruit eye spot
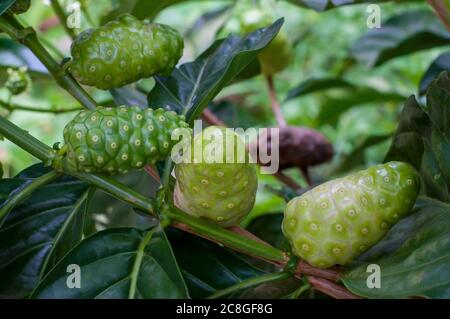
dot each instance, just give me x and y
(137, 142)
(303, 203)
(124, 157)
(109, 123)
(126, 128)
(323, 205)
(205, 205)
(223, 193)
(113, 145)
(386, 179)
(95, 138)
(219, 218)
(220, 174)
(162, 118)
(93, 118)
(103, 33)
(99, 159)
(351, 212)
(313, 226)
(138, 164)
(79, 135)
(166, 145)
(364, 200)
(204, 182)
(150, 128)
(384, 225)
(153, 149)
(139, 117)
(107, 77)
(92, 68)
(382, 201)
(109, 52)
(364, 231)
(81, 158)
(111, 168)
(230, 205)
(336, 250)
(409, 181)
(341, 191)
(338, 227)
(305, 247)
(292, 222)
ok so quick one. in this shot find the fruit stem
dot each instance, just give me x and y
(442, 11)
(62, 18)
(274, 102)
(250, 283)
(28, 37)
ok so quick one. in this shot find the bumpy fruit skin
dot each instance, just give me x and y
(115, 140)
(123, 51)
(17, 81)
(338, 220)
(221, 192)
(279, 53)
(19, 7)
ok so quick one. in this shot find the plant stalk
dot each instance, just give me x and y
(276, 108)
(28, 37)
(442, 11)
(62, 18)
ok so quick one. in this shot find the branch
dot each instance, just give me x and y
(28, 37)
(274, 102)
(211, 118)
(287, 180)
(14, 107)
(442, 11)
(331, 289)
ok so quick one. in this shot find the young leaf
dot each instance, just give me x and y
(413, 257)
(400, 35)
(208, 267)
(422, 138)
(192, 86)
(39, 231)
(117, 263)
(442, 63)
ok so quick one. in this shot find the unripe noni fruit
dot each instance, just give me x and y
(17, 81)
(279, 53)
(216, 181)
(115, 140)
(123, 51)
(340, 219)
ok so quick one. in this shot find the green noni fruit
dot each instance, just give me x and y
(338, 220)
(217, 181)
(279, 53)
(19, 7)
(17, 81)
(114, 140)
(123, 51)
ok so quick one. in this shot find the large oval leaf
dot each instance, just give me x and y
(442, 63)
(39, 231)
(413, 257)
(208, 267)
(118, 263)
(192, 86)
(400, 35)
(16, 55)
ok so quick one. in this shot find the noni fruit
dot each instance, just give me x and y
(338, 220)
(216, 181)
(17, 81)
(123, 51)
(114, 140)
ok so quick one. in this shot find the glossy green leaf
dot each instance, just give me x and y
(442, 63)
(268, 228)
(118, 263)
(402, 34)
(5, 5)
(13, 54)
(422, 138)
(38, 232)
(129, 95)
(192, 86)
(208, 267)
(314, 85)
(413, 257)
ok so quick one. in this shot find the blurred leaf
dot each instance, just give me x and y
(233, 115)
(5, 5)
(208, 267)
(191, 87)
(118, 263)
(38, 232)
(206, 18)
(129, 95)
(322, 5)
(356, 157)
(400, 35)
(272, 290)
(442, 63)
(13, 54)
(413, 257)
(337, 102)
(315, 85)
(422, 138)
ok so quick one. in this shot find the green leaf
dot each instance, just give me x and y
(192, 86)
(128, 95)
(13, 54)
(322, 5)
(39, 231)
(402, 34)
(422, 138)
(208, 267)
(413, 257)
(442, 63)
(5, 5)
(314, 85)
(118, 263)
(268, 228)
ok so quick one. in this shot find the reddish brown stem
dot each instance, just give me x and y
(307, 269)
(331, 289)
(211, 118)
(151, 170)
(274, 102)
(441, 11)
(287, 180)
(306, 175)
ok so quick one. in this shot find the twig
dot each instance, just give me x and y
(287, 180)
(331, 289)
(274, 102)
(305, 268)
(211, 118)
(441, 11)
(306, 176)
(153, 173)
(14, 107)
